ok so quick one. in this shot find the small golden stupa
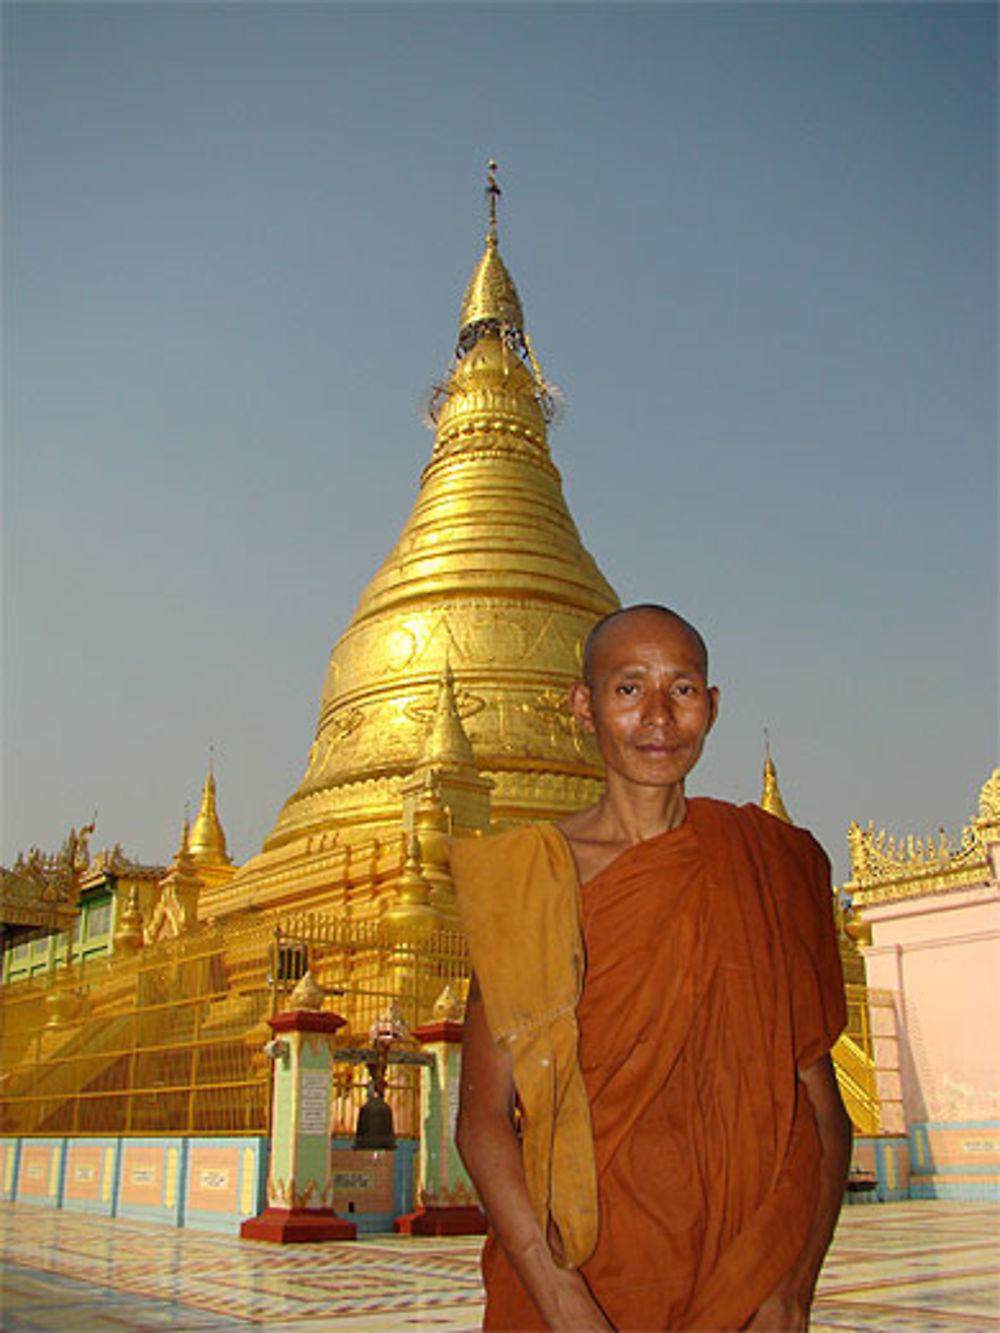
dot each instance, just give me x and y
(206, 840)
(770, 797)
(449, 684)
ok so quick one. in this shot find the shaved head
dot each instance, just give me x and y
(592, 644)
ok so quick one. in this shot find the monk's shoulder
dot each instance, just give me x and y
(773, 835)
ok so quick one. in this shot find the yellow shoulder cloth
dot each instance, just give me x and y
(519, 899)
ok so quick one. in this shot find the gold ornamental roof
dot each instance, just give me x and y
(488, 581)
(884, 870)
(40, 891)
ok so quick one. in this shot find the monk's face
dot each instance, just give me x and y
(649, 703)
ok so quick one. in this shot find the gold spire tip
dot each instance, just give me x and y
(493, 193)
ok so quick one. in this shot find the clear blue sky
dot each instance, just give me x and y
(756, 245)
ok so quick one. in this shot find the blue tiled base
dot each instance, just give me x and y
(942, 1188)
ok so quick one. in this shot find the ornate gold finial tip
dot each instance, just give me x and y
(492, 194)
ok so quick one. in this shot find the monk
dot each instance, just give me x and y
(649, 1110)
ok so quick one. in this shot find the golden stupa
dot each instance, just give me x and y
(770, 796)
(206, 840)
(449, 684)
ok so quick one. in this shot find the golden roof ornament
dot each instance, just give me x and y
(183, 867)
(128, 937)
(989, 803)
(179, 893)
(207, 841)
(884, 869)
(770, 799)
(307, 993)
(42, 890)
(448, 1007)
(412, 907)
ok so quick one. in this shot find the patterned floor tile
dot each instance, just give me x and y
(893, 1268)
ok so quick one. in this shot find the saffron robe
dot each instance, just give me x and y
(712, 975)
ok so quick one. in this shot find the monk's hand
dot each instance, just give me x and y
(569, 1306)
(784, 1311)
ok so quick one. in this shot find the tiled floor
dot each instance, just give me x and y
(893, 1267)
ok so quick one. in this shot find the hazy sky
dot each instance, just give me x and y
(756, 246)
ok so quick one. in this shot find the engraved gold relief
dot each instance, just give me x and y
(421, 711)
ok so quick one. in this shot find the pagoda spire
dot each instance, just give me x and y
(493, 193)
(207, 841)
(770, 799)
(491, 302)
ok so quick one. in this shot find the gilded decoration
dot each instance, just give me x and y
(886, 870)
(448, 1007)
(40, 891)
(307, 993)
(177, 902)
(491, 293)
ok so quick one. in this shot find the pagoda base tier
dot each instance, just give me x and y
(454, 1220)
(294, 1226)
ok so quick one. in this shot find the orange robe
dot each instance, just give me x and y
(712, 975)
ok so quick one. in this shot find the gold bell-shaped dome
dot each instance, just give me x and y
(488, 582)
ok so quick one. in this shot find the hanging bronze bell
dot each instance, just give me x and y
(374, 1131)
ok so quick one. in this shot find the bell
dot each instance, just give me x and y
(374, 1132)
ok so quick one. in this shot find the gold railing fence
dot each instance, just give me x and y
(169, 1040)
(855, 1058)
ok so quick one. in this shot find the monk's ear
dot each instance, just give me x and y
(714, 715)
(580, 704)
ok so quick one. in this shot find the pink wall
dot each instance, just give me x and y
(940, 955)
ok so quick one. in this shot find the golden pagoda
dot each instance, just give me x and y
(456, 664)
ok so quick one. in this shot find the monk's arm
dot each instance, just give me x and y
(788, 1306)
(488, 1144)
